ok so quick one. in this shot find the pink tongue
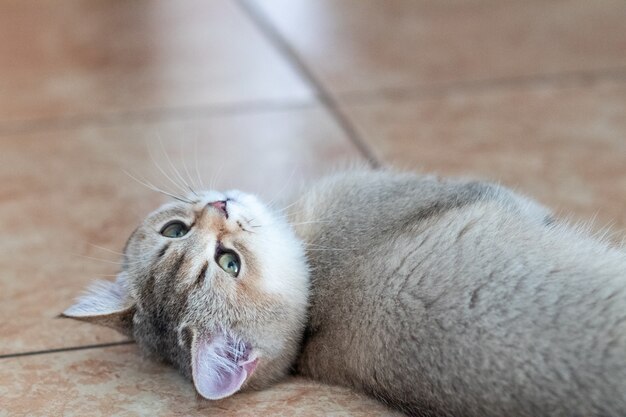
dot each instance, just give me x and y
(214, 375)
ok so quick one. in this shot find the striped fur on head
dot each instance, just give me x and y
(226, 332)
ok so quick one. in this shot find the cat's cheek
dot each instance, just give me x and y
(250, 294)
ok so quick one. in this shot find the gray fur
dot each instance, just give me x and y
(439, 297)
(454, 298)
(171, 294)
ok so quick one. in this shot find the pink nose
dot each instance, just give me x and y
(220, 205)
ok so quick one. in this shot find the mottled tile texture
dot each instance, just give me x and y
(372, 45)
(531, 94)
(67, 201)
(118, 381)
(84, 58)
(564, 146)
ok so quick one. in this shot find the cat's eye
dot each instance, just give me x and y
(174, 229)
(229, 262)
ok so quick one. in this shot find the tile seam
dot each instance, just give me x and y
(8, 128)
(66, 349)
(556, 81)
(272, 34)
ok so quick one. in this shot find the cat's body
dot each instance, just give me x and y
(439, 297)
(460, 299)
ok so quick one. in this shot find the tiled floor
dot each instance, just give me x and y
(264, 95)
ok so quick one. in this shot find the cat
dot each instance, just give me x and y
(439, 297)
(460, 298)
(206, 289)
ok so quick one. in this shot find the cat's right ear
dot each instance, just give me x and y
(105, 303)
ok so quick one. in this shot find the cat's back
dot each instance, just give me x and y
(452, 295)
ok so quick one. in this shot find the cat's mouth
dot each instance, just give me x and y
(221, 206)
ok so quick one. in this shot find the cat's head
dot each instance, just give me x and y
(218, 287)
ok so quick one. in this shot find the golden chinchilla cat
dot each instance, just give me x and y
(438, 297)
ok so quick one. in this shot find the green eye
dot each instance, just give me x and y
(229, 262)
(174, 229)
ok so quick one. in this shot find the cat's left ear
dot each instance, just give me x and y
(105, 303)
(215, 372)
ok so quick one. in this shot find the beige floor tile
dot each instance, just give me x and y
(118, 381)
(566, 147)
(365, 45)
(80, 57)
(62, 192)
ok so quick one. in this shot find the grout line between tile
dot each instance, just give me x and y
(571, 79)
(355, 97)
(324, 96)
(68, 349)
(150, 115)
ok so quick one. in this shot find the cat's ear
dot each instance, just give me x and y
(105, 303)
(215, 374)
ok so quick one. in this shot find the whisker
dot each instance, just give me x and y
(279, 192)
(216, 176)
(299, 223)
(137, 261)
(106, 249)
(315, 246)
(310, 245)
(330, 217)
(310, 222)
(121, 264)
(197, 166)
(332, 249)
(282, 210)
(177, 185)
(171, 164)
(102, 260)
(191, 185)
(325, 247)
(149, 185)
